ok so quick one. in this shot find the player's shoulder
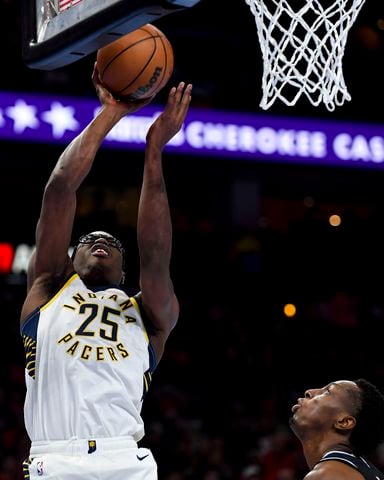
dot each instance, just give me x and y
(43, 289)
(334, 470)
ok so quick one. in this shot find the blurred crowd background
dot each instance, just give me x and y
(249, 239)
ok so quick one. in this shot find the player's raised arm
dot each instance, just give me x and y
(154, 220)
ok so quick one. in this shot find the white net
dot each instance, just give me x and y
(303, 49)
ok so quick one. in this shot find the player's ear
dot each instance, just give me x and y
(122, 279)
(345, 422)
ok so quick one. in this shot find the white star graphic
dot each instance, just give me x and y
(61, 118)
(23, 116)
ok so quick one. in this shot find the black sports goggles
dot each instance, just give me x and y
(92, 237)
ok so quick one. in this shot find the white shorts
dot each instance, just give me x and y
(96, 459)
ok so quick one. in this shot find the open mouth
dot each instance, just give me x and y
(100, 250)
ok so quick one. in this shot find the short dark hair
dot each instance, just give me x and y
(369, 430)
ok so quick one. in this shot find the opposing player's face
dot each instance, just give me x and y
(320, 408)
(99, 258)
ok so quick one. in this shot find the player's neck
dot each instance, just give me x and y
(340, 447)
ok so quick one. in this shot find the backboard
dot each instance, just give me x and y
(56, 33)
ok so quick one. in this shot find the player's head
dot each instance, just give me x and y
(352, 410)
(99, 258)
(369, 429)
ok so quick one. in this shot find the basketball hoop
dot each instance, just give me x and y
(303, 49)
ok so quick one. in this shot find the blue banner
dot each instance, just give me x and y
(255, 137)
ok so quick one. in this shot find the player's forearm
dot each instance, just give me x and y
(77, 159)
(154, 227)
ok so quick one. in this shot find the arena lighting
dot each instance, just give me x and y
(14, 258)
(227, 135)
(6, 257)
(289, 310)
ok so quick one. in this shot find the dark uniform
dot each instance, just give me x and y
(364, 466)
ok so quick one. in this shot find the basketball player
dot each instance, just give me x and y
(338, 426)
(90, 349)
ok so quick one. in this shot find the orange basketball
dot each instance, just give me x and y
(138, 64)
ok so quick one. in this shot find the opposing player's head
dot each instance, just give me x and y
(369, 430)
(350, 410)
(99, 259)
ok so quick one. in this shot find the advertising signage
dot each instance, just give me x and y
(234, 136)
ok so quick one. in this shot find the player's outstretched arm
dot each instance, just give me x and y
(154, 227)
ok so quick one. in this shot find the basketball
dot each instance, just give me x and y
(137, 65)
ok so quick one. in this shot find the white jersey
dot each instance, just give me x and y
(88, 365)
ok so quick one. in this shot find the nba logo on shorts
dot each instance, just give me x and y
(39, 467)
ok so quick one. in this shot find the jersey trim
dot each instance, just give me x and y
(68, 282)
(366, 468)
